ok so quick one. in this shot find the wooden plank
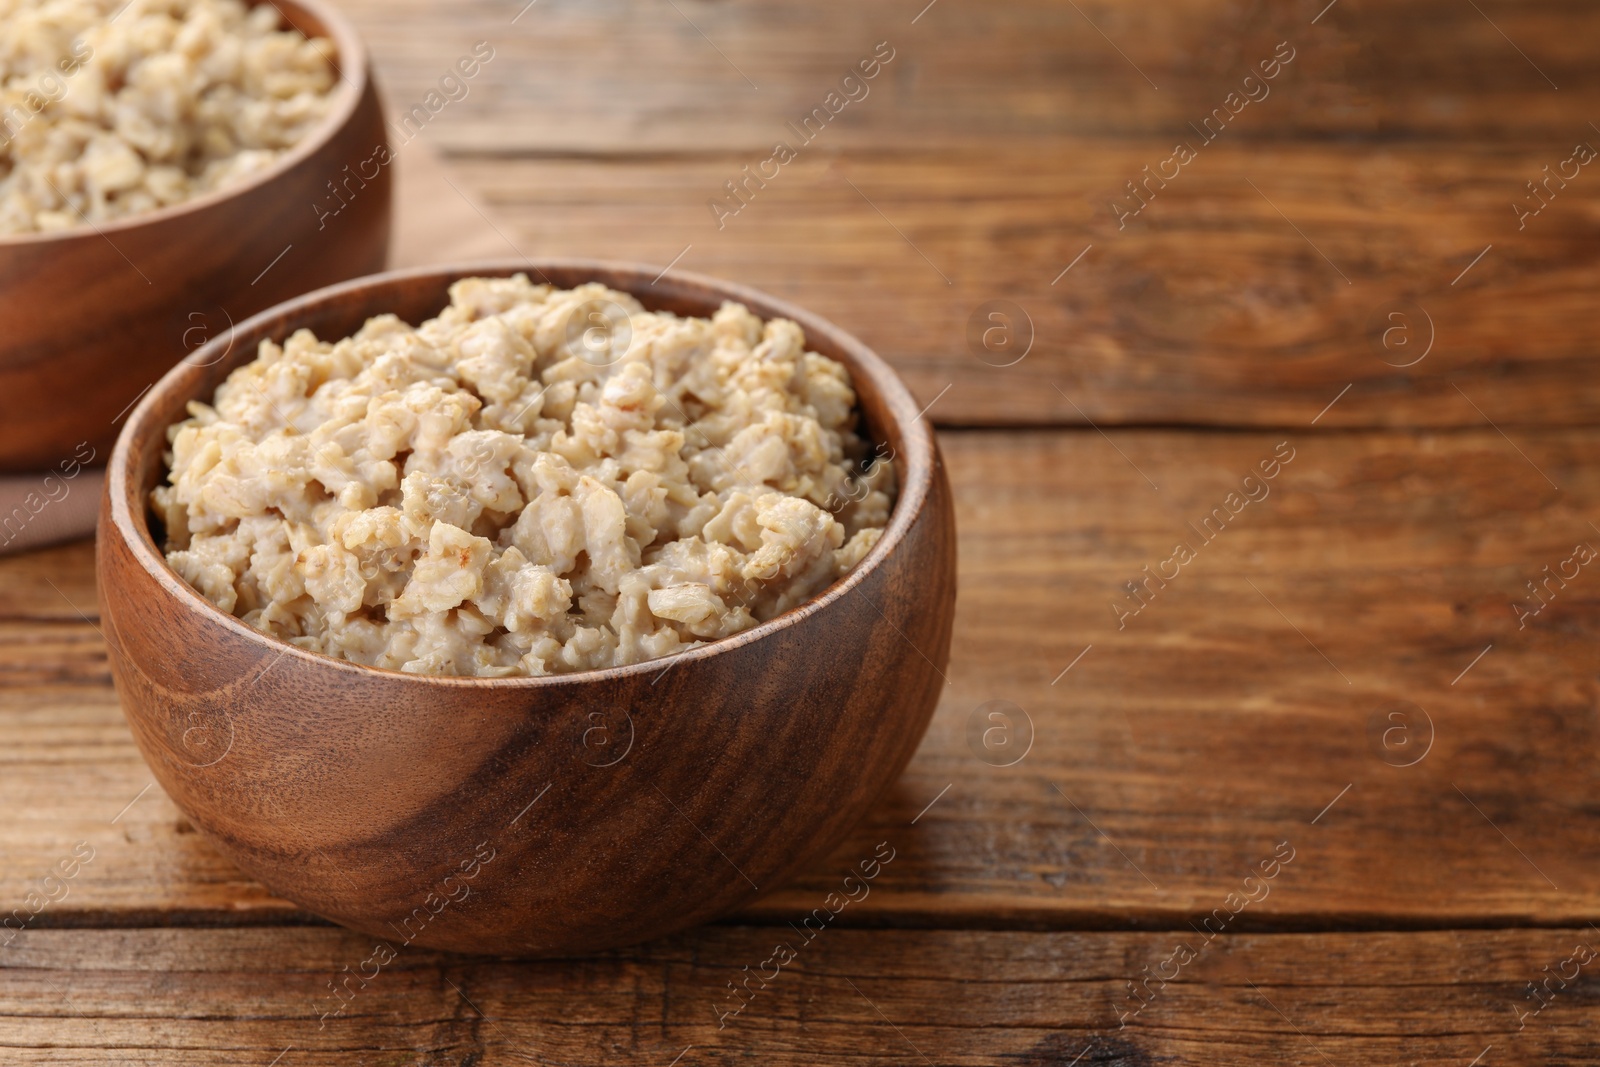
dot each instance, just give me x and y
(1170, 760)
(850, 997)
(55, 584)
(1214, 306)
(631, 76)
(1242, 700)
(998, 145)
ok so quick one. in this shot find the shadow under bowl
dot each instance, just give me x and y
(532, 816)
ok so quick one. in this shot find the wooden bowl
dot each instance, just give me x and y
(531, 816)
(93, 316)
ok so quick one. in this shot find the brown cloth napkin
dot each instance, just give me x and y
(436, 220)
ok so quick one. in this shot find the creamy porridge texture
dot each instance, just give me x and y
(108, 111)
(536, 481)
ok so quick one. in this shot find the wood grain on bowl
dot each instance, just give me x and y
(90, 318)
(532, 816)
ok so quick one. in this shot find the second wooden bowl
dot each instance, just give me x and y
(532, 816)
(91, 317)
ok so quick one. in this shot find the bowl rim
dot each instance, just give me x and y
(127, 517)
(350, 65)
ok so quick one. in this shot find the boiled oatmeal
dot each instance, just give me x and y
(536, 481)
(110, 108)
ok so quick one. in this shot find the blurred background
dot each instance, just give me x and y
(995, 148)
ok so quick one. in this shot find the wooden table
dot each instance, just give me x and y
(1346, 680)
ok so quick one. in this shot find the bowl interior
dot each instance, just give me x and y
(890, 419)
